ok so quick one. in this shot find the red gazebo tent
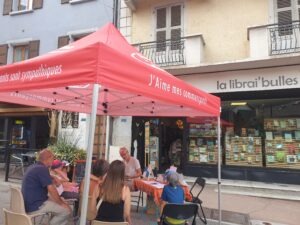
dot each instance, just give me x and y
(102, 74)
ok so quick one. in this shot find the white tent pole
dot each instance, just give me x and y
(107, 137)
(219, 170)
(89, 155)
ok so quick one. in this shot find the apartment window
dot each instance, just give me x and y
(65, 40)
(3, 54)
(19, 5)
(20, 53)
(168, 26)
(286, 11)
(13, 7)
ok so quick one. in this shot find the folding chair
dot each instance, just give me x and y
(95, 222)
(136, 197)
(182, 212)
(17, 204)
(13, 218)
(195, 191)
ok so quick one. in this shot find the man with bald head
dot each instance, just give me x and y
(40, 194)
(132, 167)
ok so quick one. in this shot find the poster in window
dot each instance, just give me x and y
(269, 135)
(203, 158)
(291, 158)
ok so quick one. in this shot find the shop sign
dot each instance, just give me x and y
(248, 80)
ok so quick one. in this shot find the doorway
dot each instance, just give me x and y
(171, 149)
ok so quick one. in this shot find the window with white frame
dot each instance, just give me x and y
(168, 26)
(20, 53)
(286, 11)
(20, 5)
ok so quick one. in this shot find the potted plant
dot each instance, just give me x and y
(66, 149)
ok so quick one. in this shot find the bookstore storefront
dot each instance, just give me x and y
(260, 123)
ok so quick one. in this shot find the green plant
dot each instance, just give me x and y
(66, 148)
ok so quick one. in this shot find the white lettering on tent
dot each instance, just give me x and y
(43, 71)
(159, 83)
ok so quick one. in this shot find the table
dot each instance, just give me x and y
(155, 189)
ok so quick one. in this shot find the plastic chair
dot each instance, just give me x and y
(195, 191)
(180, 212)
(17, 204)
(96, 222)
(13, 218)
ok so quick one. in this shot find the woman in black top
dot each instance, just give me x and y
(115, 205)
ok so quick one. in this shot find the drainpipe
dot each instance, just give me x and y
(116, 13)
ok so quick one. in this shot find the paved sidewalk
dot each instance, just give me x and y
(237, 208)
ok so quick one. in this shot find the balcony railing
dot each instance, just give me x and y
(284, 38)
(166, 53)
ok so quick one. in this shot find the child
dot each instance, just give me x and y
(172, 193)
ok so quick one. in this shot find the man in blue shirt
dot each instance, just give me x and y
(37, 184)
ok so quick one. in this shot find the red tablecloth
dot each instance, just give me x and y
(157, 192)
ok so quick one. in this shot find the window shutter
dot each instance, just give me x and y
(161, 18)
(63, 41)
(3, 54)
(285, 17)
(34, 47)
(7, 6)
(283, 3)
(176, 16)
(37, 4)
(64, 1)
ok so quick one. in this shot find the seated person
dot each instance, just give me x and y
(98, 174)
(115, 196)
(172, 193)
(37, 185)
(132, 167)
(68, 189)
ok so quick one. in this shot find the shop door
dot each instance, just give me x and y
(171, 132)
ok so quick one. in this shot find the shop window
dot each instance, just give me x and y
(70, 119)
(202, 141)
(262, 133)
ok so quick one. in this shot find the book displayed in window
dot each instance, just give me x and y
(244, 151)
(269, 135)
(202, 145)
(282, 151)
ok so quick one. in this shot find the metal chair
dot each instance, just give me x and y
(195, 191)
(95, 222)
(13, 218)
(182, 212)
(136, 197)
(17, 204)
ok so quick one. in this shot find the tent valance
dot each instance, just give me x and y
(130, 83)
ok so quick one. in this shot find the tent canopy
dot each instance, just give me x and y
(129, 83)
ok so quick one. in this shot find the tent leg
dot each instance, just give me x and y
(89, 155)
(107, 137)
(219, 170)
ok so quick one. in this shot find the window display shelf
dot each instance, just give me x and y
(202, 146)
(243, 151)
(282, 142)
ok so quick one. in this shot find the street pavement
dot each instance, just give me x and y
(237, 207)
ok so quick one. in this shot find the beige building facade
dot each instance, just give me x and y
(247, 53)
